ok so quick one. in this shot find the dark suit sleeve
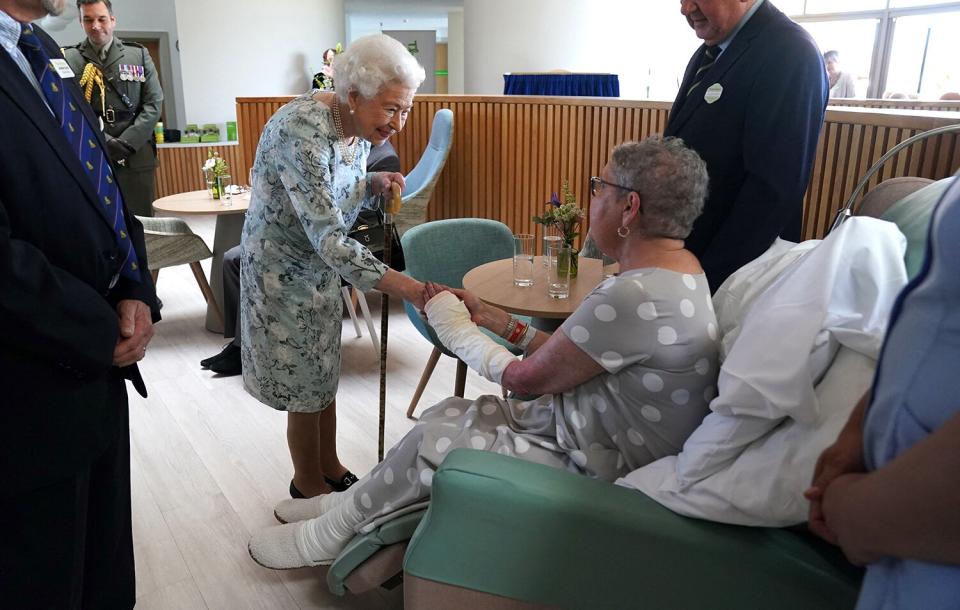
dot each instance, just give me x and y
(780, 134)
(145, 290)
(47, 313)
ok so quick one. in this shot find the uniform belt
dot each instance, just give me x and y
(112, 116)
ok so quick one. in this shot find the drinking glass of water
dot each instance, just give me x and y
(523, 259)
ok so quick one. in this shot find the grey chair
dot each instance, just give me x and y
(422, 179)
(170, 242)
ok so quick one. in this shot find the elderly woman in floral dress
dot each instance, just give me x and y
(624, 381)
(309, 184)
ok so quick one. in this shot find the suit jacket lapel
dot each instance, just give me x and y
(679, 115)
(18, 89)
(676, 111)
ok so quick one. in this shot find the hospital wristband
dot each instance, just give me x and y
(518, 332)
(511, 326)
(527, 338)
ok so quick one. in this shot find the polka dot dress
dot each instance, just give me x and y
(654, 333)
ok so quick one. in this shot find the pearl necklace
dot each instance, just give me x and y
(347, 151)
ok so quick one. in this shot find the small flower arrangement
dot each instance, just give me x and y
(215, 167)
(563, 213)
(323, 79)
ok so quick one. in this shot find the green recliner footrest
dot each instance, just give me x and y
(525, 531)
(363, 546)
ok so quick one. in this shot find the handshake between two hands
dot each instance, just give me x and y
(470, 300)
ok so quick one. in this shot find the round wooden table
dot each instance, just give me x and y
(493, 284)
(225, 236)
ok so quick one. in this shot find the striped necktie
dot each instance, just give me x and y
(706, 62)
(82, 139)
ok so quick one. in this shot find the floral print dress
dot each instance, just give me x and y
(294, 247)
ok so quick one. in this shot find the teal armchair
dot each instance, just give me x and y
(444, 251)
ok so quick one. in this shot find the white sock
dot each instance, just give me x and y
(300, 509)
(323, 538)
(308, 543)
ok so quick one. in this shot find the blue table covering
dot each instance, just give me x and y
(598, 85)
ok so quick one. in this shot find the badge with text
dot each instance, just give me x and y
(62, 67)
(713, 93)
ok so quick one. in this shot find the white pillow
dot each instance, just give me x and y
(763, 485)
(795, 307)
(721, 437)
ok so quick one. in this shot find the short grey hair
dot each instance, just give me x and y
(671, 180)
(370, 63)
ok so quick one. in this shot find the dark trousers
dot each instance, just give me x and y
(69, 544)
(231, 294)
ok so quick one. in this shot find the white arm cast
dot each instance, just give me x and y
(450, 319)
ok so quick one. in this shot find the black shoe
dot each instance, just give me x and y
(294, 492)
(345, 481)
(228, 350)
(229, 364)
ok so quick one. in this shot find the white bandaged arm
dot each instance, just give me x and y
(450, 319)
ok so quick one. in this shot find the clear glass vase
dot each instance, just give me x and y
(211, 181)
(573, 262)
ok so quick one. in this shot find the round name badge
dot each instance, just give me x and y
(713, 93)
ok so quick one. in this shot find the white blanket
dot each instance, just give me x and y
(753, 455)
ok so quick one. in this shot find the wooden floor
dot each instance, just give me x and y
(209, 462)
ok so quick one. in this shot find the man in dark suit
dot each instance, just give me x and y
(74, 322)
(751, 104)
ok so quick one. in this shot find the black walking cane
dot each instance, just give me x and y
(390, 208)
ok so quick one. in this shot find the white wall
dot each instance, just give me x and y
(231, 49)
(455, 52)
(647, 43)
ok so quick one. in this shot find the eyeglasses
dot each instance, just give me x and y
(597, 183)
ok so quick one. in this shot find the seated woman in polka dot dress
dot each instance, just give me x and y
(625, 381)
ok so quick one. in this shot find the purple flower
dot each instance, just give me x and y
(555, 200)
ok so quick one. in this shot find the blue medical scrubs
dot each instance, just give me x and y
(917, 389)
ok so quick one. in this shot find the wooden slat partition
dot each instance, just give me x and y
(937, 105)
(510, 152)
(853, 139)
(180, 167)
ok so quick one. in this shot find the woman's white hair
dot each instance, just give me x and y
(371, 62)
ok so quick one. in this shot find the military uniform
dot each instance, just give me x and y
(129, 105)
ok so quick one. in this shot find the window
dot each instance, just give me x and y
(923, 59)
(848, 6)
(853, 40)
(902, 47)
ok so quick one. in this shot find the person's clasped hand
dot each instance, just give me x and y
(845, 456)
(473, 303)
(381, 181)
(136, 330)
(118, 150)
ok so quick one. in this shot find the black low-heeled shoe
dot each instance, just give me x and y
(345, 482)
(294, 492)
(229, 350)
